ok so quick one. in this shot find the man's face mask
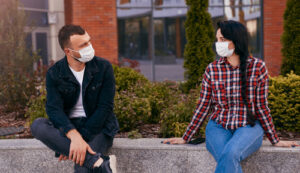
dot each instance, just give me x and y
(223, 50)
(86, 54)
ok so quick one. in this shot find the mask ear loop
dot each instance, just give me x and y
(74, 56)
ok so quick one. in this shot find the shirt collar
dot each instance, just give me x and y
(223, 60)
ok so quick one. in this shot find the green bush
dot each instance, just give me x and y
(143, 103)
(291, 38)
(284, 102)
(127, 77)
(130, 110)
(160, 95)
(176, 118)
(198, 52)
(36, 106)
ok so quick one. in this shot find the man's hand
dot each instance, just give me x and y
(78, 147)
(62, 157)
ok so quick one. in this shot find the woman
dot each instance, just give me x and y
(234, 131)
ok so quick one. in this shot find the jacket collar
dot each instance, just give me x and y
(90, 69)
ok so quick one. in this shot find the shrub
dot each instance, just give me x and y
(130, 110)
(284, 102)
(161, 95)
(198, 51)
(127, 77)
(36, 106)
(134, 134)
(176, 118)
(291, 38)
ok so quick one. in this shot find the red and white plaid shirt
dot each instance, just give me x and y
(221, 92)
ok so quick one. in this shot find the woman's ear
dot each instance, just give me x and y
(231, 45)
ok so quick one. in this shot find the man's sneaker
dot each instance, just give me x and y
(113, 163)
(108, 165)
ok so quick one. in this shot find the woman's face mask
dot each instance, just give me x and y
(86, 54)
(223, 50)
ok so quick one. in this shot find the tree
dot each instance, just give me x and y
(200, 36)
(16, 63)
(290, 38)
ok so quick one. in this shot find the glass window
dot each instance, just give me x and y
(41, 46)
(28, 42)
(133, 38)
(39, 4)
(36, 18)
(169, 31)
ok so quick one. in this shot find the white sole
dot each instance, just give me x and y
(113, 163)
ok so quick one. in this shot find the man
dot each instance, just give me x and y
(80, 96)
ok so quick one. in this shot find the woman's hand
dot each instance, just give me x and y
(286, 144)
(174, 141)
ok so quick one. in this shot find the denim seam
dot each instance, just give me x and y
(212, 148)
(243, 151)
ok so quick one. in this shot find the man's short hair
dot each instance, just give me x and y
(66, 32)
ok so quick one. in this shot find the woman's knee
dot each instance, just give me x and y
(231, 153)
(37, 126)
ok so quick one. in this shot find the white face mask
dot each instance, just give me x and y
(86, 54)
(222, 49)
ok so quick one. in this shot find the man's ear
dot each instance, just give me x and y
(66, 50)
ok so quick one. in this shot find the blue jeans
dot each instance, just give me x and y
(230, 147)
(43, 130)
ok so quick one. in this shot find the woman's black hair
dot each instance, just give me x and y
(237, 33)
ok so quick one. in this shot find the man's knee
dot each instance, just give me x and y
(37, 126)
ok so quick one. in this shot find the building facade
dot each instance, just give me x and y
(122, 29)
(44, 19)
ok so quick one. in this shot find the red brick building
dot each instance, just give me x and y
(99, 18)
(272, 30)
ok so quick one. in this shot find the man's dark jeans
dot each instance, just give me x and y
(43, 130)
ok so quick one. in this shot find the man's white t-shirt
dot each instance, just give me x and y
(78, 110)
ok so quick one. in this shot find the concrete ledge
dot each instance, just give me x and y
(145, 156)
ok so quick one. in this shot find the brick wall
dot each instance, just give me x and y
(99, 18)
(273, 29)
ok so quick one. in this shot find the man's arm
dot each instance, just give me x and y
(54, 107)
(56, 114)
(105, 104)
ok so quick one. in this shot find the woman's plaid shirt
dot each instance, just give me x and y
(221, 93)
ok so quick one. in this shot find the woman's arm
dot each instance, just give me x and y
(263, 111)
(200, 112)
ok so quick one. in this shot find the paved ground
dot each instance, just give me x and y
(174, 72)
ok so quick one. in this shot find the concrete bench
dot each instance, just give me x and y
(145, 156)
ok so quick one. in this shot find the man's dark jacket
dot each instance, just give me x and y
(98, 90)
